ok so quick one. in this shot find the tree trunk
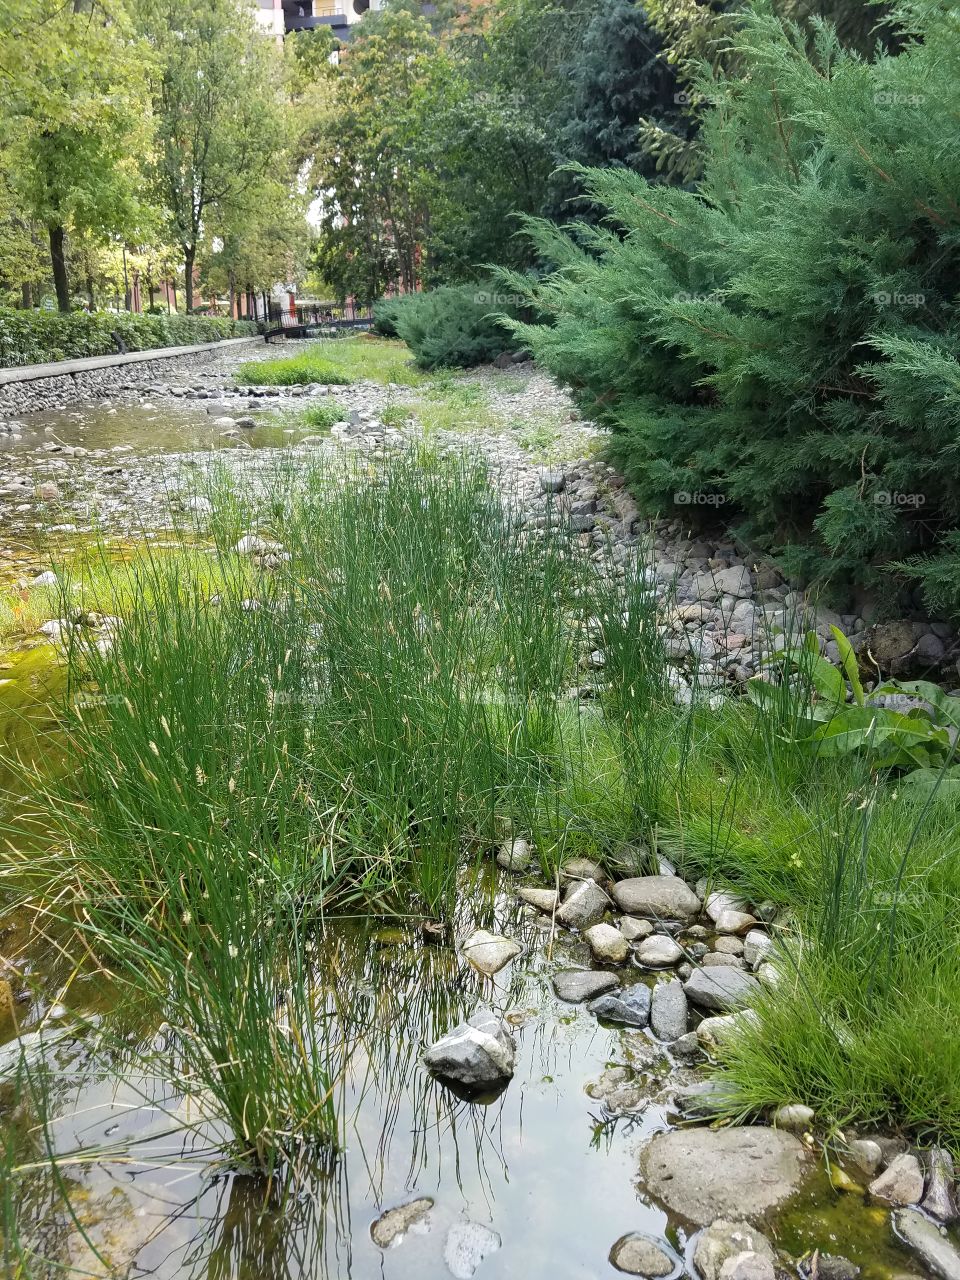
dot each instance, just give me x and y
(27, 296)
(59, 263)
(188, 257)
(233, 298)
(151, 292)
(91, 301)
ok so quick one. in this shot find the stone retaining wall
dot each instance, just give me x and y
(100, 380)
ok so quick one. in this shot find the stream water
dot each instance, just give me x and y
(548, 1166)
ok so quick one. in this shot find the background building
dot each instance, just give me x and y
(277, 17)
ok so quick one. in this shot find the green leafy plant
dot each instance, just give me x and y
(837, 716)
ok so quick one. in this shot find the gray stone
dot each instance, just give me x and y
(639, 1256)
(731, 921)
(478, 1053)
(832, 1267)
(928, 1242)
(659, 952)
(710, 959)
(607, 943)
(585, 905)
(489, 952)
(900, 1183)
(631, 1006)
(747, 1266)
(542, 899)
(713, 583)
(466, 1246)
(702, 1174)
(514, 855)
(580, 869)
(576, 985)
(619, 1091)
(635, 930)
(723, 1240)
(713, 1032)
(720, 988)
(729, 944)
(940, 1198)
(246, 422)
(722, 900)
(668, 1010)
(866, 1155)
(794, 1116)
(551, 481)
(687, 1047)
(757, 946)
(656, 898)
(390, 1226)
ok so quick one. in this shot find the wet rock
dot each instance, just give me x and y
(940, 1198)
(489, 952)
(246, 422)
(390, 1226)
(635, 930)
(585, 905)
(543, 899)
(631, 1007)
(866, 1155)
(607, 943)
(514, 855)
(926, 1240)
(720, 988)
(577, 985)
(702, 1174)
(466, 1246)
(832, 1267)
(639, 1256)
(659, 952)
(724, 1240)
(747, 1266)
(900, 1183)
(729, 945)
(619, 1091)
(656, 898)
(479, 1053)
(668, 1010)
(794, 1116)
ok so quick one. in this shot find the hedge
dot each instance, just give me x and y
(35, 337)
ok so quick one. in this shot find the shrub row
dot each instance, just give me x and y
(450, 327)
(34, 337)
(782, 343)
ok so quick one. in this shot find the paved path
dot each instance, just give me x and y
(58, 368)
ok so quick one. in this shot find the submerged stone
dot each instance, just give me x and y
(926, 1240)
(390, 1226)
(702, 1174)
(669, 1010)
(723, 1240)
(489, 952)
(639, 1256)
(467, 1244)
(656, 898)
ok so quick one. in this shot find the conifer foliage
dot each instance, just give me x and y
(784, 340)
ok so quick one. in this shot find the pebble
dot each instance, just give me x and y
(658, 952)
(794, 1116)
(466, 1246)
(393, 1224)
(669, 1010)
(577, 985)
(607, 943)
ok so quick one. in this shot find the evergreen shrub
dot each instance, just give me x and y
(781, 344)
